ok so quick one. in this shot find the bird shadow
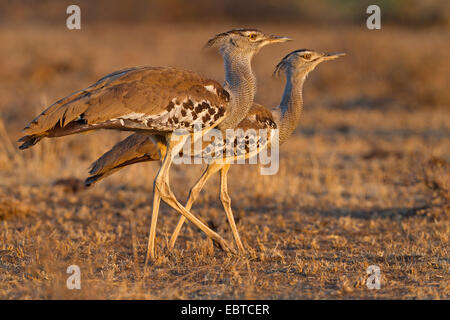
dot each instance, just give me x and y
(395, 213)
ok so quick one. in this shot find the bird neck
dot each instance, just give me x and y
(241, 84)
(289, 112)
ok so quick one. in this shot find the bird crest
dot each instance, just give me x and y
(218, 37)
(285, 62)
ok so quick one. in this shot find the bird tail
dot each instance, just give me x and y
(72, 128)
(135, 148)
(28, 141)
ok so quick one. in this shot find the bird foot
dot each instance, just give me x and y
(224, 246)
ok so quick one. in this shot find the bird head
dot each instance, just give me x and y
(304, 61)
(243, 42)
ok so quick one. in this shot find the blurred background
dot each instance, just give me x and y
(373, 142)
(413, 13)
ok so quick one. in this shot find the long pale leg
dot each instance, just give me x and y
(165, 164)
(160, 141)
(168, 197)
(162, 191)
(193, 194)
(224, 197)
(226, 202)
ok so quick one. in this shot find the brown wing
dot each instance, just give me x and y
(248, 138)
(141, 98)
(259, 117)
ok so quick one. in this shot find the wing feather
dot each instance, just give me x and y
(145, 90)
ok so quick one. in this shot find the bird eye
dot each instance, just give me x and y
(252, 36)
(306, 56)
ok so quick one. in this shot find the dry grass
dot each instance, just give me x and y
(365, 179)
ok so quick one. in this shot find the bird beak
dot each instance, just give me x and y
(332, 56)
(274, 39)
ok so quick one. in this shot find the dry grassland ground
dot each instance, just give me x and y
(363, 181)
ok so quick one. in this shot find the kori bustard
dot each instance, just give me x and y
(159, 102)
(285, 117)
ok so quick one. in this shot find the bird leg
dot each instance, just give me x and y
(226, 202)
(193, 194)
(162, 191)
(224, 197)
(165, 164)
